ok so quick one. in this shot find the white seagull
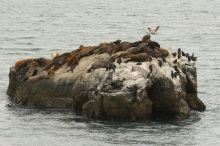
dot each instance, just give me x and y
(152, 30)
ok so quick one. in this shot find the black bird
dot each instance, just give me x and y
(179, 51)
(117, 42)
(150, 58)
(139, 63)
(175, 74)
(179, 56)
(151, 68)
(164, 59)
(183, 53)
(172, 74)
(189, 58)
(187, 55)
(175, 61)
(194, 58)
(176, 69)
(148, 76)
(119, 60)
(184, 70)
(160, 63)
(110, 66)
(174, 54)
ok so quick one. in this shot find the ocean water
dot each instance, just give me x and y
(36, 28)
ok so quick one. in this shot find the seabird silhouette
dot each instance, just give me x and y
(164, 59)
(119, 60)
(148, 76)
(175, 61)
(174, 54)
(139, 63)
(183, 53)
(153, 30)
(160, 63)
(151, 68)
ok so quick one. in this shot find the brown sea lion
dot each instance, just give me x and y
(146, 39)
(22, 63)
(98, 64)
(163, 52)
(141, 57)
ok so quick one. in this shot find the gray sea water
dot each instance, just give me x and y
(36, 28)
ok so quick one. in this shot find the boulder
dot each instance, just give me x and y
(125, 91)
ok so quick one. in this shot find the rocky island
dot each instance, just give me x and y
(116, 80)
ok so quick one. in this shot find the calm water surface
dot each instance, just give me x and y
(36, 28)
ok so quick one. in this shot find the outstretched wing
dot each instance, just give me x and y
(157, 28)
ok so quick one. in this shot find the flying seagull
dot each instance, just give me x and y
(152, 30)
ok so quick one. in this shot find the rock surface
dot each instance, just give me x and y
(128, 92)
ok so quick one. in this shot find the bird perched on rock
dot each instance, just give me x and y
(189, 58)
(187, 55)
(183, 53)
(110, 66)
(164, 59)
(176, 68)
(193, 58)
(153, 30)
(119, 60)
(160, 63)
(139, 63)
(179, 53)
(172, 74)
(151, 68)
(175, 61)
(148, 75)
(174, 54)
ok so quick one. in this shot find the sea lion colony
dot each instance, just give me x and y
(120, 52)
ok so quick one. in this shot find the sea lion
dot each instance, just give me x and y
(163, 52)
(22, 63)
(98, 64)
(124, 46)
(140, 57)
(153, 44)
(146, 38)
(54, 55)
(117, 42)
